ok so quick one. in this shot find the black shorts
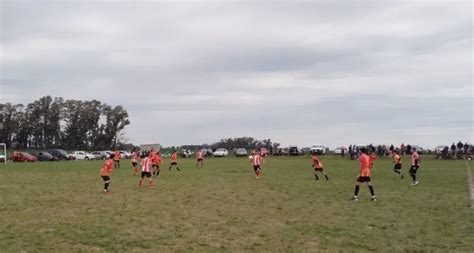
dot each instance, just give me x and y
(414, 169)
(155, 166)
(318, 169)
(256, 167)
(199, 160)
(398, 166)
(147, 174)
(134, 164)
(174, 163)
(116, 161)
(363, 179)
(105, 178)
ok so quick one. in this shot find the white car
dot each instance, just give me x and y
(318, 149)
(221, 152)
(82, 155)
(125, 155)
(338, 151)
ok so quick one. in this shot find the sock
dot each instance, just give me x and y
(150, 183)
(413, 176)
(177, 168)
(140, 183)
(356, 191)
(371, 190)
(106, 186)
(169, 168)
(326, 176)
(316, 176)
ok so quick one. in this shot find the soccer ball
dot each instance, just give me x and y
(250, 157)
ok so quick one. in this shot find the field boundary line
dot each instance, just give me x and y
(470, 183)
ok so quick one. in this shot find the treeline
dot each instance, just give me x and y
(58, 123)
(240, 142)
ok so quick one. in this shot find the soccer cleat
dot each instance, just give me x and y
(401, 175)
(106, 191)
(417, 182)
(355, 198)
(374, 199)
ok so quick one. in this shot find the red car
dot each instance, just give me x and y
(22, 157)
(264, 151)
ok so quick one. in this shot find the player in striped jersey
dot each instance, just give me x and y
(199, 158)
(364, 174)
(415, 164)
(257, 161)
(146, 171)
(318, 166)
(105, 172)
(397, 168)
(174, 161)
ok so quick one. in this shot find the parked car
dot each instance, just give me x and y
(59, 154)
(338, 151)
(185, 153)
(241, 152)
(293, 151)
(207, 152)
(44, 156)
(221, 152)
(22, 157)
(281, 151)
(264, 151)
(82, 155)
(100, 155)
(318, 149)
(125, 155)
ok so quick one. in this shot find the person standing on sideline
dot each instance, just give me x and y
(415, 164)
(105, 172)
(364, 174)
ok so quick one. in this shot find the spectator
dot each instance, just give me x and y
(408, 149)
(453, 150)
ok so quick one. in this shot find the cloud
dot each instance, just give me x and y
(299, 73)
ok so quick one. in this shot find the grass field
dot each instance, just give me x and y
(59, 206)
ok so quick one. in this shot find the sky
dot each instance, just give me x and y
(299, 73)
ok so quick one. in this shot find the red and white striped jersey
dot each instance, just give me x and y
(415, 159)
(199, 154)
(256, 160)
(146, 164)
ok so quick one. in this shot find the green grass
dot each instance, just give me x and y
(59, 206)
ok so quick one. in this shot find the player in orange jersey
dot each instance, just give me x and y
(155, 163)
(174, 160)
(364, 174)
(397, 168)
(318, 166)
(117, 159)
(105, 172)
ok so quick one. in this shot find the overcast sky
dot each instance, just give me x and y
(298, 73)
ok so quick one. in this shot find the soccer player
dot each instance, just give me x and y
(199, 158)
(155, 163)
(397, 168)
(415, 164)
(318, 166)
(105, 172)
(146, 171)
(174, 160)
(135, 162)
(257, 161)
(364, 174)
(117, 159)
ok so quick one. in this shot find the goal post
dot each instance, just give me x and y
(3, 147)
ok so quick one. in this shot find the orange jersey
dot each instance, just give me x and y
(397, 159)
(117, 155)
(174, 157)
(156, 159)
(364, 165)
(316, 162)
(106, 167)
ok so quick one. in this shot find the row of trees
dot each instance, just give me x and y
(240, 142)
(55, 122)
